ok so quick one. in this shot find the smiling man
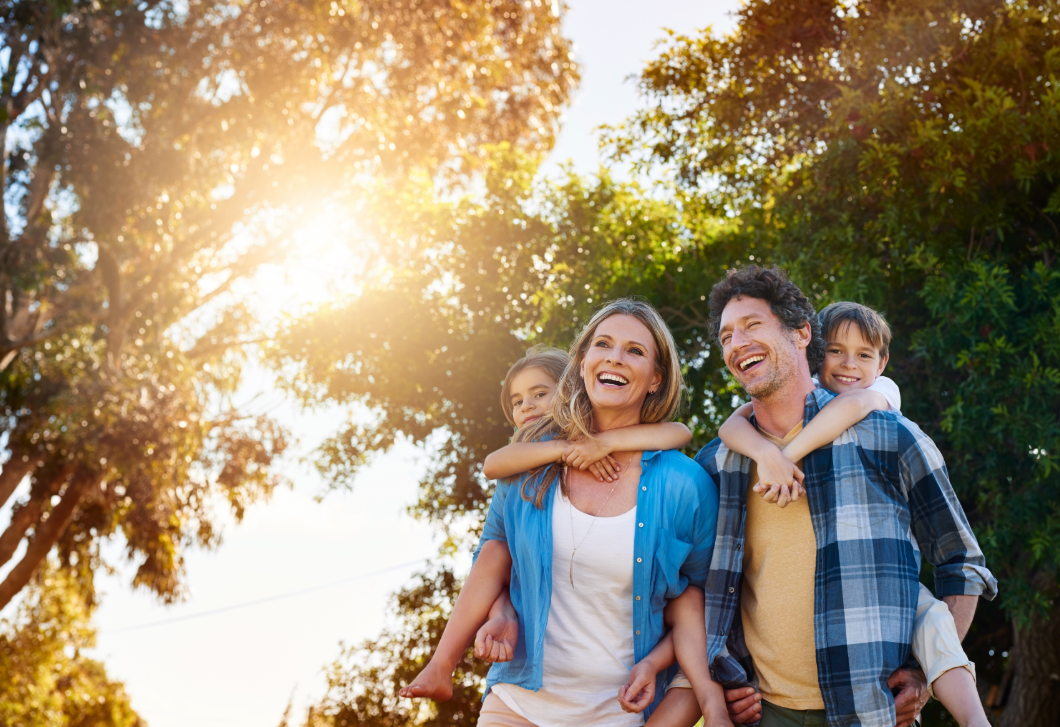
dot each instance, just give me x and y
(810, 608)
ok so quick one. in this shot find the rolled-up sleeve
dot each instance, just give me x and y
(938, 521)
(494, 527)
(700, 528)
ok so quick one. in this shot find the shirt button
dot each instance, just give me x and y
(638, 560)
(640, 524)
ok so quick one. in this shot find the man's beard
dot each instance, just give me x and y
(782, 373)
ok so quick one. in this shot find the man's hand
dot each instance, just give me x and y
(912, 697)
(744, 705)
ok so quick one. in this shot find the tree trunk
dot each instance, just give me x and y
(46, 535)
(12, 473)
(1035, 697)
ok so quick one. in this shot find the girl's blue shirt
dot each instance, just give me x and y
(677, 514)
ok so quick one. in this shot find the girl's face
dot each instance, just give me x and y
(619, 369)
(850, 362)
(532, 392)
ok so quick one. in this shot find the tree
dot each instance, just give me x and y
(903, 155)
(157, 153)
(45, 681)
(906, 155)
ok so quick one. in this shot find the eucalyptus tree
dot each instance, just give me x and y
(156, 154)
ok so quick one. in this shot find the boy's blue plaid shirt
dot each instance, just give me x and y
(893, 500)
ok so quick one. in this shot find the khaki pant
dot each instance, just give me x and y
(495, 713)
(774, 716)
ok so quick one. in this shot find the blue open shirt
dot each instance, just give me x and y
(677, 513)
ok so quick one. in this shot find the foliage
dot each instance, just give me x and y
(901, 154)
(44, 679)
(160, 152)
(363, 681)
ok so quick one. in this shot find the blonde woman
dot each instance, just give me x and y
(595, 562)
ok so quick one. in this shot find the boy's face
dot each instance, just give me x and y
(532, 392)
(850, 362)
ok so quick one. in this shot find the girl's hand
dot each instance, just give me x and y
(495, 641)
(582, 453)
(606, 470)
(639, 692)
(779, 480)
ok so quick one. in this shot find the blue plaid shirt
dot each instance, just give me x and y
(878, 496)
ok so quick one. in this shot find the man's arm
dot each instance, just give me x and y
(962, 608)
(938, 522)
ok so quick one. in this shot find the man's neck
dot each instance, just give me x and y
(784, 409)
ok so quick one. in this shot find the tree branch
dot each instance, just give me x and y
(14, 470)
(46, 536)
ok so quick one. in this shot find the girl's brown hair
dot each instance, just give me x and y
(571, 416)
(550, 360)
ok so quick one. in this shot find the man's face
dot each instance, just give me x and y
(760, 351)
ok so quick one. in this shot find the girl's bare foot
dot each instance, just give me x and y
(434, 682)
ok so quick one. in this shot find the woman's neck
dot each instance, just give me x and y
(609, 419)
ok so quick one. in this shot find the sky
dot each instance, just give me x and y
(214, 660)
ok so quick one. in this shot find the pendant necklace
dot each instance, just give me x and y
(570, 504)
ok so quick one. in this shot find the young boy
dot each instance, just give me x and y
(856, 351)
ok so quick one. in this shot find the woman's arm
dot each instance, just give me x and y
(836, 417)
(522, 457)
(583, 453)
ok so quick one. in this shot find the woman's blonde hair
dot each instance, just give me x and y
(550, 360)
(571, 415)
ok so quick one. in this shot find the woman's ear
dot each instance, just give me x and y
(656, 382)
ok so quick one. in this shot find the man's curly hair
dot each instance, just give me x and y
(784, 297)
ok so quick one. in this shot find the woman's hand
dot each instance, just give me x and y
(779, 480)
(593, 455)
(495, 641)
(639, 692)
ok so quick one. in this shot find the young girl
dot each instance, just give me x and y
(856, 351)
(526, 395)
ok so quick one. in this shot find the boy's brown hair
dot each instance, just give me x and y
(550, 360)
(872, 325)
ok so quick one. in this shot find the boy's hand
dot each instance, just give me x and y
(639, 692)
(780, 481)
(495, 641)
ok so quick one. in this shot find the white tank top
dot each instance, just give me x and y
(589, 635)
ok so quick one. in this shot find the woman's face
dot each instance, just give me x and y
(619, 369)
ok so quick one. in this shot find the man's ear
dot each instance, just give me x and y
(883, 364)
(803, 335)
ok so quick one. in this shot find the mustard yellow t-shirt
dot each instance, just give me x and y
(776, 602)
